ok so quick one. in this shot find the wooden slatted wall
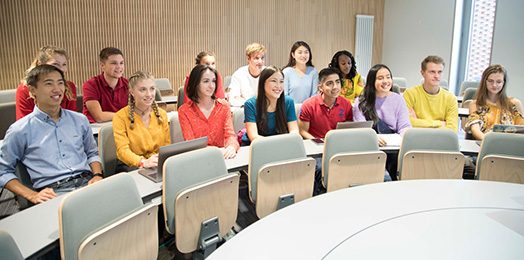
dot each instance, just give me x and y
(165, 36)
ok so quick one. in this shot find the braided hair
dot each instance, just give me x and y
(133, 81)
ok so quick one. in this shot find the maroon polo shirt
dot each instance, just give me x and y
(322, 118)
(110, 100)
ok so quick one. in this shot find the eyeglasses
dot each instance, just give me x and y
(498, 82)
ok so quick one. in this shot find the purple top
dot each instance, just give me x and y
(391, 109)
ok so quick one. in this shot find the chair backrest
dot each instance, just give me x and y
(24, 178)
(197, 187)
(467, 84)
(162, 84)
(469, 94)
(227, 82)
(175, 129)
(350, 141)
(88, 212)
(395, 88)
(8, 112)
(180, 98)
(107, 150)
(500, 144)
(8, 96)
(80, 103)
(401, 82)
(238, 119)
(272, 149)
(9, 248)
(158, 95)
(297, 110)
(427, 139)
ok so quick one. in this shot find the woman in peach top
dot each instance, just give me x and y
(206, 115)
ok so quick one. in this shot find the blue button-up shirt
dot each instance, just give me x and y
(50, 151)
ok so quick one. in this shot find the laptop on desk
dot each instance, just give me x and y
(349, 124)
(518, 129)
(155, 174)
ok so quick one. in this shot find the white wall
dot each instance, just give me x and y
(414, 30)
(508, 44)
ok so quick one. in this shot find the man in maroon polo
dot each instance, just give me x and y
(108, 92)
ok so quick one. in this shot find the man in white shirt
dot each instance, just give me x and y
(244, 82)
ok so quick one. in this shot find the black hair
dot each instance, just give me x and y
(262, 103)
(367, 100)
(194, 80)
(334, 63)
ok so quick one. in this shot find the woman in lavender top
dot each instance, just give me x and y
(384, 107)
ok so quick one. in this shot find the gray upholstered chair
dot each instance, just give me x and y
(163, 84)
(469, 94)
(238, 119)
(107, 150)
(279, 172)
(501, 158)
(395, 88)
(107, 220)
(180, 98)
(200, 199)
(467, 84)
(227, 82)
(8, 112)
(401, 82)
(175, 130)
(351, 157)
(24, 178)
(7, 96)
(9, 248)
(428, 153)
(80, 103)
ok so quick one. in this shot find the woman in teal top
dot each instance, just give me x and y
(300, 77)
(278, 116)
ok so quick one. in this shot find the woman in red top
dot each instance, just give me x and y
(206, 115)
(57, 57)
(207, 58)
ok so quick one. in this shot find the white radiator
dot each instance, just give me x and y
(364, 43)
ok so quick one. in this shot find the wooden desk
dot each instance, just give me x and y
(435, 219)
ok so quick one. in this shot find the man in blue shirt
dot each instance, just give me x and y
(56, 145)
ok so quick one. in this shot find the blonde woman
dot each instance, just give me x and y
(141, 127)
(54, 56)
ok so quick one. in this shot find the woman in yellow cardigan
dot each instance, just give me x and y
(141, 127)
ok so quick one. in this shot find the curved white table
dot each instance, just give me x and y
(423, 219)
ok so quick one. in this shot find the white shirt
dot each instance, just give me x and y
(242, 85)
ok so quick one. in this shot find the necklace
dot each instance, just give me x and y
(142, 112)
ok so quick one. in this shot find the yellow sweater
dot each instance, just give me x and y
(431, 109)
(133, 145)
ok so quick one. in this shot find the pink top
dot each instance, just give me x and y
(218, 127)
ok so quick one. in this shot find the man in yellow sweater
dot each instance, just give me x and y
(428, 104)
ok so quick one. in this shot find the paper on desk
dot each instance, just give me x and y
(392, 139)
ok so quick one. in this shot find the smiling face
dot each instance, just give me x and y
(383, 83)
(143, 92)
(114, 66)
(274, 86)
(58, 61)
(206, 87)
(49, 90)
(256, 63)
(301, 55)
(433, 74)
(209, 61)
(330, 88)
(344, 64)
(495, 83)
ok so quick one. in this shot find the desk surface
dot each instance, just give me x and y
(463, 112)
(468, 219)
(170, 99)
(37, 227)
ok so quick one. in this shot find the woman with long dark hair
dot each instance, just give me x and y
(270, 112)
(352, 83)
(300, 77)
